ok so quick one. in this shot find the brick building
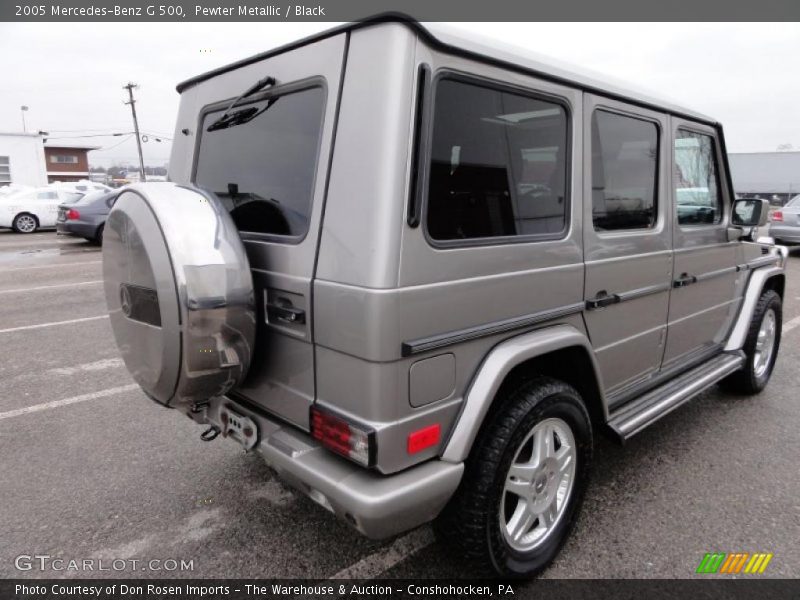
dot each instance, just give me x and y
(67, 162)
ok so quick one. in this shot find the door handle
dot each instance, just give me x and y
(602, 299)
(684, 280)
(286, 313)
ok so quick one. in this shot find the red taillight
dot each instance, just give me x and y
(73, 215)
(423, 438)
(777, 216)
(341, 436)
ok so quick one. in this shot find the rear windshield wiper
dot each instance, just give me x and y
(229, 119)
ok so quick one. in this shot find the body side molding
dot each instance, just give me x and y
(497, 364)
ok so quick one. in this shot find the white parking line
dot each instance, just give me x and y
(60, 266)
(74, 400)
(50, 287)
(384, 559)
(789, 325)
(99, 365)
(54, 323)
(39, 244)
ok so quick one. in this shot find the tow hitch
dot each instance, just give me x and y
(210, 434)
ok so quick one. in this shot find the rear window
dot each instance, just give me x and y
(263, 167)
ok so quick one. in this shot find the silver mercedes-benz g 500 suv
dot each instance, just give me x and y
(419, 275)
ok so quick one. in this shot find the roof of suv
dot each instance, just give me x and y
(491, 51)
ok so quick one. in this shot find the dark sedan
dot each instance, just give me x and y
(87, 217)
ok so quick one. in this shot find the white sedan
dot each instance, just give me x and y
(29, 210)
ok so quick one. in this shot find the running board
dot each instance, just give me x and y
(638, 414)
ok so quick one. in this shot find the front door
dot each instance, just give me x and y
(627, 240)
(704, 297)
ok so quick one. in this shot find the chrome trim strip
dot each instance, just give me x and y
(719, 272)
(759, 262)
(645, 291)
(442, 340)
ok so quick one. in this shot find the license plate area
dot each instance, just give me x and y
(239, 427)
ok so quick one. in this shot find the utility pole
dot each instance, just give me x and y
(23, 109)
(130, 87)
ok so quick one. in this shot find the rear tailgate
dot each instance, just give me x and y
(270, 170)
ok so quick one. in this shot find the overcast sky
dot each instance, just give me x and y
(71, 75)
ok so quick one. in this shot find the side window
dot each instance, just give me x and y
(695, 178)
(498, 164)
(48, 195)
(624, 172)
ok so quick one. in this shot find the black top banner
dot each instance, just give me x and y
(422, 10)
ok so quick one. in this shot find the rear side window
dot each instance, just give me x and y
(695, 179)
(262, 165)
(498, 164)
(624, 172)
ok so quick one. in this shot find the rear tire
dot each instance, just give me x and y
(523, 482)
(25, 223)
(760, 347)
(98, 238)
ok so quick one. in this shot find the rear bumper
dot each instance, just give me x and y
(377, 505)
(86, 230)
(785, 233)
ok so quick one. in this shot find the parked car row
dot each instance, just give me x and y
(28, 209)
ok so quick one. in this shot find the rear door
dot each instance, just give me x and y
(627, 240)
(269, 166)
(704, 295)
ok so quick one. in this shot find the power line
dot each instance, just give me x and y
(117, 144)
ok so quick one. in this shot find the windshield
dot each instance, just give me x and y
(263, 168)
(794, 202)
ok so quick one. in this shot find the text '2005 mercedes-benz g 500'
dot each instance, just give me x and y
(419, 275)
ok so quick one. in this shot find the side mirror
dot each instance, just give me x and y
(750, 212)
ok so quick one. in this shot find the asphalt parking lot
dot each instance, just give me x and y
(90, 468)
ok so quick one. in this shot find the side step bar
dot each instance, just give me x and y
(638, 414)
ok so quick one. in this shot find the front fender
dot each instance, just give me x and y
(493, 371)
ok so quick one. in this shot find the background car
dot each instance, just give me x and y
(13, 188)
(29, 210)
(785, 225)
(86, 217)
(84, 186)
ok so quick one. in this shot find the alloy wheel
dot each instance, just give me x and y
(765, 343)
(538, 485)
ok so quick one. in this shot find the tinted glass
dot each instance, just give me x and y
(695, 177)
(498, 164)
(794, 202)
(624, 172)
(263, 169)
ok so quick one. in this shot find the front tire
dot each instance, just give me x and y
(524, 480)
(760, 346)
(25, 223)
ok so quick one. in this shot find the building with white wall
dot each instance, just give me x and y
(773, 176)
(22, 159)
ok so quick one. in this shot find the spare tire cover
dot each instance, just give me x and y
(179, 292)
